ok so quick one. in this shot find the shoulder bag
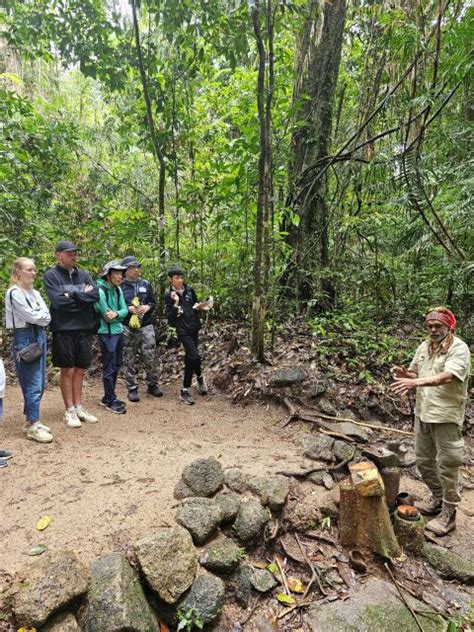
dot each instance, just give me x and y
(33, 351)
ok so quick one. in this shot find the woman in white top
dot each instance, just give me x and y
(27, 314)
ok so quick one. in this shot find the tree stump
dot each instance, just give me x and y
(364, 520)
(409, 527)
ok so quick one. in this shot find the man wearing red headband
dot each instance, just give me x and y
(440, 373)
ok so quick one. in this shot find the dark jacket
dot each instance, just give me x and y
(188, 320)
(72, 309)
(143, 290)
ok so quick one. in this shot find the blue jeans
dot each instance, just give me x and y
(111, 346)
(32, 376)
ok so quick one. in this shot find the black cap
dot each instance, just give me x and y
(175, 270)
(131, 262)
(65, 246)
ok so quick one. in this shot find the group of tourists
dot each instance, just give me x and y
(123, 303)
(118, 308)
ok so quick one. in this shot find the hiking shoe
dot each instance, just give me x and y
(202, 386)
(133, 395)
(103, 402)
(71, 419)
(154, 390)
(84, 415)
(445, 522)
(186, 396)
(117, 408)
(3, 462)
(430, 507)
(27, 426)
(36, 433)
(6, 454)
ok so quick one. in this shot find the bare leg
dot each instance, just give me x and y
(77, 381)
(66, 385)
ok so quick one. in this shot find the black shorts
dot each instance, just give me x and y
(72, 349)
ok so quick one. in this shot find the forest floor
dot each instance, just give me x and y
(104, 485)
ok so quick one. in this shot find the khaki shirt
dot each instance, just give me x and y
(445, 403)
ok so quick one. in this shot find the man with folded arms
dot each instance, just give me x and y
(440, 373)
(72, 294)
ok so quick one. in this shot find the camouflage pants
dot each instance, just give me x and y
(439, 452)
(135, 341)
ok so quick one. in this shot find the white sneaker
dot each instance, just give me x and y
(37, 433)
(71, 419)
(27, 427)
(84, 415)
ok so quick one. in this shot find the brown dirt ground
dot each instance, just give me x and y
(105, 485)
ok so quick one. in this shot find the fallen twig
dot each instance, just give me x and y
(402, 597)
(339, 435)
(282, 573)
(364, 424)
(319, 468)
(301, 604)
(252, 610)
(314, 572)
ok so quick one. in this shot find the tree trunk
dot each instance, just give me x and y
(261, 267)
(157, 150)
(317, 67)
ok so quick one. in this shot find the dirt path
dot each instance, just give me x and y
(106, 484)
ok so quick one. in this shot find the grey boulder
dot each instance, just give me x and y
(222, 556)
(262, 580)
(250, 521)
(206, 599)
(288, 376)
(235, 479)
(63, 622)
(52, 582)
(273, 491)
(204, 476)
(449, 564)
(116, 598)
(200, 516)
(229, 503)
(168, 561)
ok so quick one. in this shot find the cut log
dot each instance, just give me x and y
(391, 481)
(347, 524)
(366, 479)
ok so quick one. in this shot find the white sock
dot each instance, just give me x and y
(71, 409)
(78, 407)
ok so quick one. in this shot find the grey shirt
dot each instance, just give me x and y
(37, 313)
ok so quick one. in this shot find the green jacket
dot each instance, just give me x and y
(110, 298)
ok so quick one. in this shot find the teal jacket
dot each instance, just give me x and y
(110, 298)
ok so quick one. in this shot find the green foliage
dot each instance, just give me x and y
(189, 620)
(76, 160)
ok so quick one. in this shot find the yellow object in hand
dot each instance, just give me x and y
(134, 320)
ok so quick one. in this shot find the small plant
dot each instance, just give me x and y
(326, 523)
(189, 620)
(240, 554)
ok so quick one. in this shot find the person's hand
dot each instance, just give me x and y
(402, 385)
(132, 309)
(399, 371)
(88, 288)
(143, 309)
(110, 315)
(175, 297)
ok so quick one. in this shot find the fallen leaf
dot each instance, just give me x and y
(26, 630)
(295, 584)
(262, 565)
(273, 568)
(43, 522)
(288, 600)
(38, 549)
